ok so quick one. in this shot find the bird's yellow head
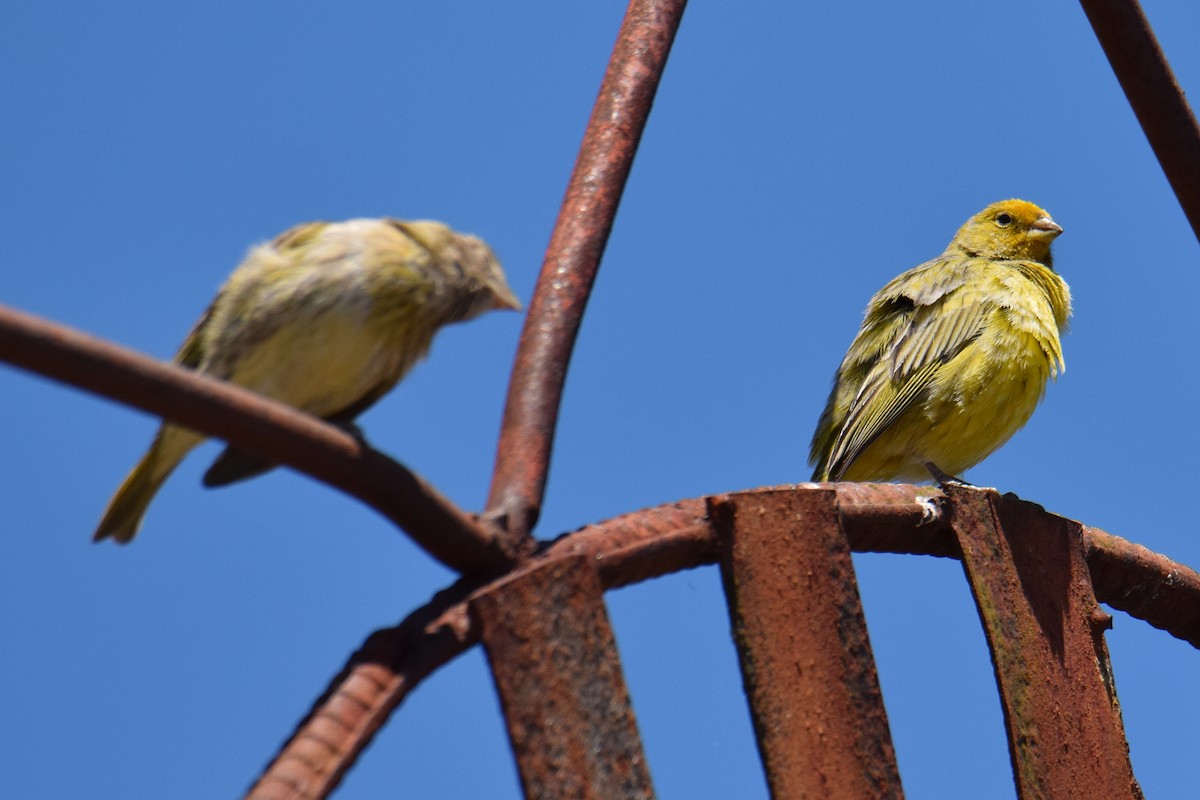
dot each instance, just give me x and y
(467, 264)
(1010, 229)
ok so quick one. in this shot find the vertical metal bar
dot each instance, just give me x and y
(1046, 633)
(555, 663)
(573, 258)
(1150, 86)
(806, 659)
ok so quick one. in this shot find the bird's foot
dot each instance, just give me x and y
(944, 478)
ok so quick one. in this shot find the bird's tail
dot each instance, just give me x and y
(123, 517)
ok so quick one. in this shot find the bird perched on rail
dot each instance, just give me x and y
(952, 356)
(326, 318)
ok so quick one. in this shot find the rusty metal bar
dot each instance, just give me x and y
(1152, 91)
(1046, 633)
(572, 260)
(360, 699)
(628, 549)
(806, 659)
(260, 426)
(665, 539)
(1145, 584)
(555, 663)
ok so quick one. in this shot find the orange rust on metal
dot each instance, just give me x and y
(573, 258)
(892, 518)
(1153, 93)
(308, 766)
(644, 544)
(1145, 584)
(389, 665)
(1046, 633)
(555, 663)
(675, 536)
(806, 659)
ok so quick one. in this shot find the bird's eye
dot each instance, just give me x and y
(1004, 220)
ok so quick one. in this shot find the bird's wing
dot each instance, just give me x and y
(233, 465)
(936, 333)
(298, 236)
(929, 324)
(191, 352)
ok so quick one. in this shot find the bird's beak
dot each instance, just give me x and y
(1045, 228)
(503, 298)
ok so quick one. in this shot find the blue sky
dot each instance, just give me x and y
(799, 155)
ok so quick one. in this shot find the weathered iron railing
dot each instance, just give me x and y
(792, 530)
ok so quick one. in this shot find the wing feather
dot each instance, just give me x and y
(914, 326)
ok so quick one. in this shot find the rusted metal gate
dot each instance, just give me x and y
(538, 608)
(798, 624)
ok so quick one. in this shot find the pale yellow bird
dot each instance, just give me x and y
(952, 357)
(326, 318)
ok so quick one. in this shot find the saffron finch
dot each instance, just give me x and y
(952, 356)
(326, 318)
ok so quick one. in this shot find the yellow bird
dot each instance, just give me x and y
(952, 356)
(326, 318)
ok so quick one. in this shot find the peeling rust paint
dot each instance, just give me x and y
(675, 536)
(572, 260)
(807, 664)
(554, 659)
(1045, 630)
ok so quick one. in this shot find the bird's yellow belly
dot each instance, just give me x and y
(321, 368)
(975, 404)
